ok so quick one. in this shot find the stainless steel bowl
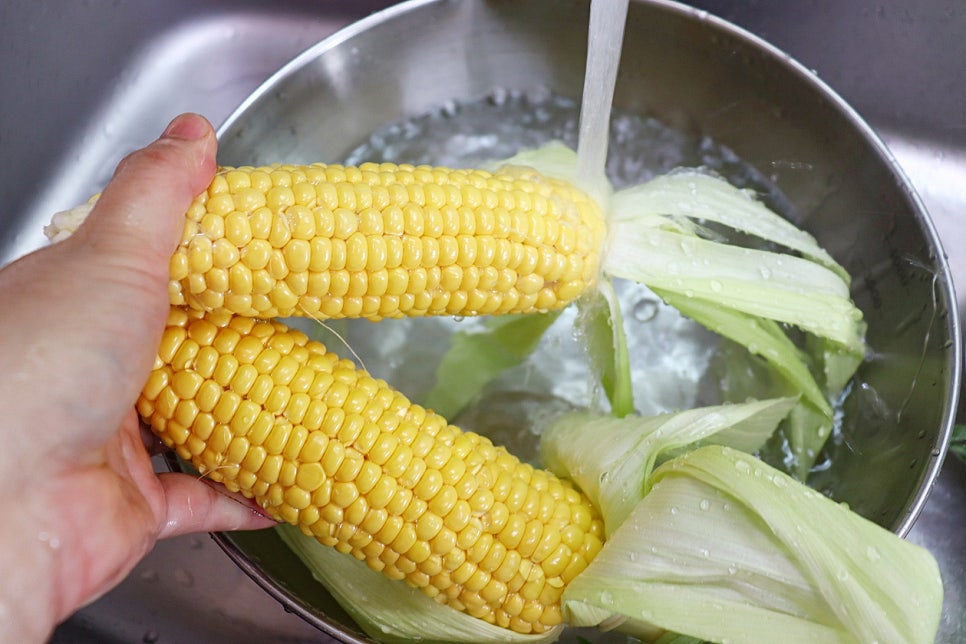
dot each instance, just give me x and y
(701, 75)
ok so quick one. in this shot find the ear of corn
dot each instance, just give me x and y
(323, 445)
(381, 240)
(385, 240)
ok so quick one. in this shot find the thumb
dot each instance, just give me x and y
(132, 220)
(194, 505)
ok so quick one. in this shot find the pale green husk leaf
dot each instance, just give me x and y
(602, 327)
(701, 196)
(726, 548)
(795, 291)
(504, 342)
(390, 611)
(610, 458)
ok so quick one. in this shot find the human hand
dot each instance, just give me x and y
(79, 327)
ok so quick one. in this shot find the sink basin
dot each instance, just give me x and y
(89, 82)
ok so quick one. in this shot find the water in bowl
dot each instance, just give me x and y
(672, 357)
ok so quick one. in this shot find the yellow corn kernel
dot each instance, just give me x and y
(413, 497)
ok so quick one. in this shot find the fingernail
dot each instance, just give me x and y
(187, 126)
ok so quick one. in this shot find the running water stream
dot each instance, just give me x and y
(604, 39)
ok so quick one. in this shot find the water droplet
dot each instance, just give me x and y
(716, 286)
(704, 552)
(842, 574)
(150, 575)
(645, 310)
(184, 577)
(150, 637)
(606, 598)
(733, 569)
(52, 540)
(634, 555)
(872, 553)
(705, 505)
(743, 467)
(765, 272)
(674, 510)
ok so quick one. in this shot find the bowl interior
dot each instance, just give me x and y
(700, 76)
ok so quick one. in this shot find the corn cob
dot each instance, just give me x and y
(383, 240)
(323, 445)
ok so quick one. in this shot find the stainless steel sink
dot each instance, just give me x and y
(82, 84)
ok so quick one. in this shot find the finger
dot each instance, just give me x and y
(194, 505)
(139, 216)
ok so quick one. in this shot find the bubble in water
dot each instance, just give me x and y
(449, 109)
(499, 96)
(538, 94)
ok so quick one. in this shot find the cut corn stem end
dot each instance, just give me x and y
(66, 222)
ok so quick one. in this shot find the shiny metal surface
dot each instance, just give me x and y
(105, 77)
